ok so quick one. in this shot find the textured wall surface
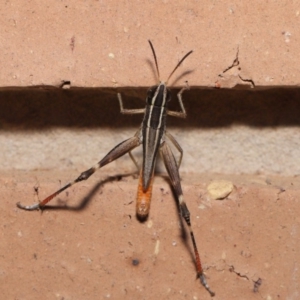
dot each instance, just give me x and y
(252, 48)
(243, 118)
(104, 43)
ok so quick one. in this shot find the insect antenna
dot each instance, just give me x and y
(179, 64)
(155, 59)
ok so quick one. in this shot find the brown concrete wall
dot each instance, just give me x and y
(243, 117)
(104, 43)
(84, 245)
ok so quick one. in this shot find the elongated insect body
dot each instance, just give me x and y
(154, 125)
(154, 137)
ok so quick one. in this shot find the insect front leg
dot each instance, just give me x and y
(126, 111)
(172, 169)
(121, 149)
(182, 113)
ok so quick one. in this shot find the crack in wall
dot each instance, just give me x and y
(231, 269)
(235, 62)
(257, 281)
(232, 79)
(247, 80)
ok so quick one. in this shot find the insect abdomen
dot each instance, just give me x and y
(143, 198)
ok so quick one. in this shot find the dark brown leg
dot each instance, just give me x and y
(171, 166)
(121, 149)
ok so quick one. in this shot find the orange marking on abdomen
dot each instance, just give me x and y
(143, 198)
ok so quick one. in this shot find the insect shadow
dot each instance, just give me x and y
(84, 202)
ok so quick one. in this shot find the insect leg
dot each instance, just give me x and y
(171, 166)
(129, 111)
(182, 113)
(115, 153)
(134, 160)
(176, 144)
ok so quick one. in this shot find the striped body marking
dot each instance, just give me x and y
(153, 128)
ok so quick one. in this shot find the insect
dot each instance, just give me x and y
(153, 135)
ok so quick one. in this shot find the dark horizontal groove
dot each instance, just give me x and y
(47, 107)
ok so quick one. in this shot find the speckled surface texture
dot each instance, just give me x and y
(242, 126)
(91, 246)
(100, 43)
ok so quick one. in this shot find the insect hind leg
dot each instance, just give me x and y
(177, 146)
(172, 169)
(119, 150)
